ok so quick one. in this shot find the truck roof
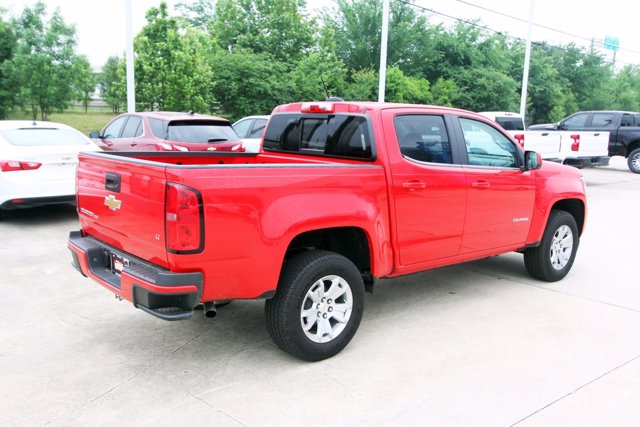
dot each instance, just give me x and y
(355, 107)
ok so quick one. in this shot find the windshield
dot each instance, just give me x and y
(43, 136)
(200, 131)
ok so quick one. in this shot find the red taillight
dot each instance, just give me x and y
(520, 138)
(184, 219)
(575, 145)
(15, 165)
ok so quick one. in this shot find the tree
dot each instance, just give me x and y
(112, 83)
(171, 67)
(399, 87)
(485, 89)
(273, 27)
(247, 83)
(85, 81)
(198, 14)
(7, 48)
(357, 25)
(44, 60)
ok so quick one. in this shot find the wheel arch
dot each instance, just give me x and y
(632, 146)
(350, 242)
(575, 207)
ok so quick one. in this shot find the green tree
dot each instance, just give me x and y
(357, 25)
(85, 81)
(247, 83)
(112, 83)
(198, 14)
(273, 27)
(318, 70)
(399, 87)
(44, 61)
(624, 89)
(171, 66)
(7, 48)
(485, 89)
(549, 98)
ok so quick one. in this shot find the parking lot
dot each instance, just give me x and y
(479, 344)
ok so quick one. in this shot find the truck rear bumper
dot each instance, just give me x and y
(164, 294)
(586, 162)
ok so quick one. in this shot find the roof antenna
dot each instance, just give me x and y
(325, 87)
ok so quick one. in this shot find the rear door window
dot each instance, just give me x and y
(603, 120)
(133, 127)
(423, 138)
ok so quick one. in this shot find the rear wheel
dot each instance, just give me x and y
(634, 161)
(552, 260)
(317, 307)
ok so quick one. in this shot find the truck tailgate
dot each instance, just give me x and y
(585, 144)
(121, 202)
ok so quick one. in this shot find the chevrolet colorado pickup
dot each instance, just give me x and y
(343, 194)
(623, 128)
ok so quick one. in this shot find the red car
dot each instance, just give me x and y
(167, 131)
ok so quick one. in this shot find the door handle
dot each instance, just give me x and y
(112, 182)
(414, 185)
(545, 134)
(480, 184)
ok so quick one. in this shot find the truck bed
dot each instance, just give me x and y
(253, 206)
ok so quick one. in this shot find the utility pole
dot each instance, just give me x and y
(383, 50)
(131, 87)
(527, 60)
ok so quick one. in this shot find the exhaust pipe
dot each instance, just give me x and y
(209, 309)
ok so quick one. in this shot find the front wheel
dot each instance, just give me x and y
(634, 161)
(552, 260)
(317, 307)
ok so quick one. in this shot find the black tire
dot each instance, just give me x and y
(633, 161)
(284, 312)
(539, 261)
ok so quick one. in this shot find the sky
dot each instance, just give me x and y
(100, 25)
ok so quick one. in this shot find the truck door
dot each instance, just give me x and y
(500, 196)
(428, 186)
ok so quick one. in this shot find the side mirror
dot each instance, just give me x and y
(559, 126)
(532, 161)
(94, 134)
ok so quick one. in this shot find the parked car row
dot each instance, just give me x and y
(38, 159)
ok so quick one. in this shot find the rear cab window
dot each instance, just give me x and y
(336, 135)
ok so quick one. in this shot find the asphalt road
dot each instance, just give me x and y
(479, 344)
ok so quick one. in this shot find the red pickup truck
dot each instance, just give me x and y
(343, 194)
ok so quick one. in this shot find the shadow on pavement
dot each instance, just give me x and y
(40, 215)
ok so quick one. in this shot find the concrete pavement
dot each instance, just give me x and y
(479, 344)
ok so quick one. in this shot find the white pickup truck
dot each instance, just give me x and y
(575, 148)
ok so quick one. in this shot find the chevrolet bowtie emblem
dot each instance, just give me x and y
(112, 202)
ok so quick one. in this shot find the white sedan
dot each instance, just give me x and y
(251, 129)
(38, 163)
